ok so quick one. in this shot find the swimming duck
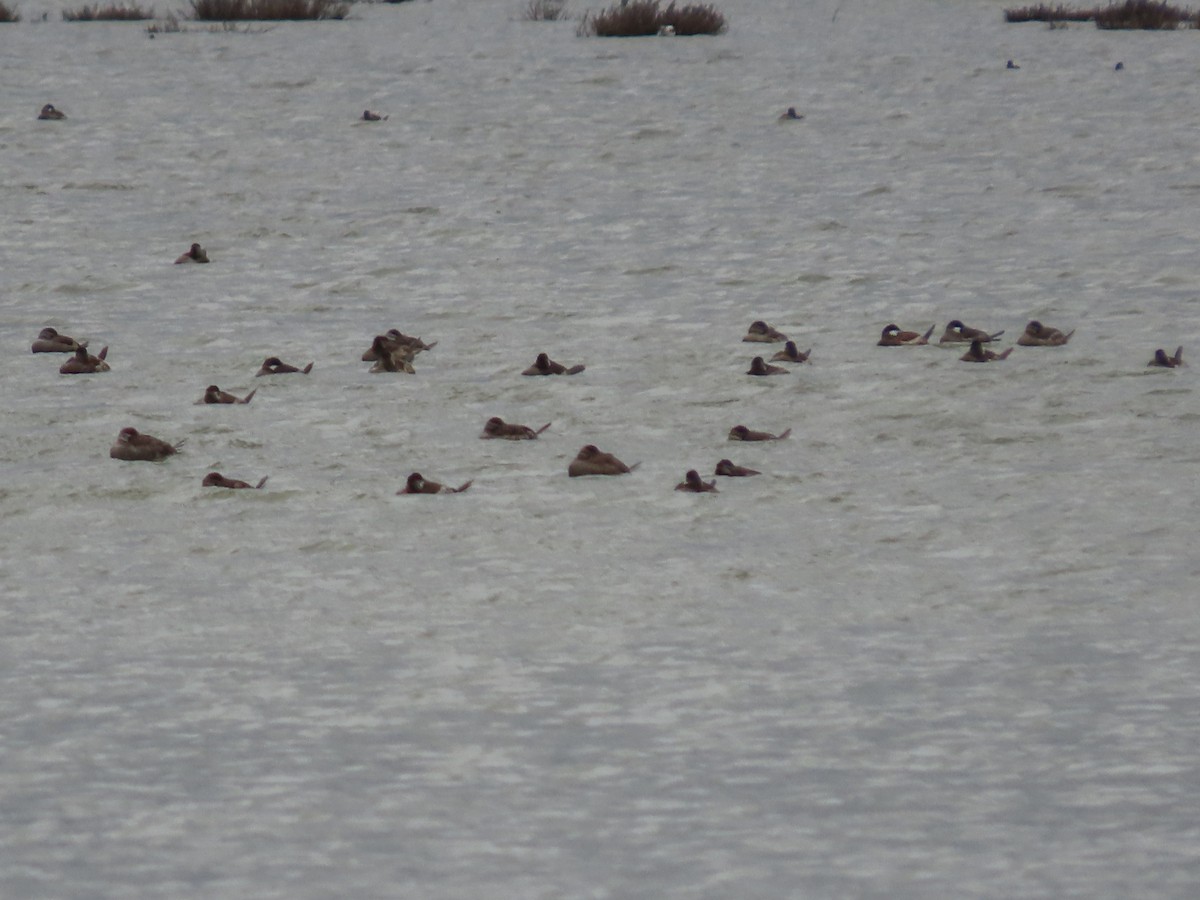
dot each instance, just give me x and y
(978, 354)
(790, 115)
(132, 446)
(216, 479)
(693, 483)
(789, 353)
(213, 394)
(761, 333)
(1167, 362)
(195, 254)
(592, 461)
(369, 116)
(83, 364)
(958, 333)
(544, 365)
(758, 367)
(273, 366)
(50, 341)
(395, 340)
(1011, 65)
(727, 468)
(892, 336)
(742, 433)
(391, 359)
(416, 484)
(1038, 335)
(498, 428)
(49, 112)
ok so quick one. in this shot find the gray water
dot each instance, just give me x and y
(944, 646)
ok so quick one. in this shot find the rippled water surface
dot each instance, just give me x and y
(945, 645)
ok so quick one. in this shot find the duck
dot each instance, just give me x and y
(789, 353)
(369, 116)
(742, 433)
(1167, 362)
(726, 468)
(216, 479)
(213, 394)
(394, 340)
(892, 336)
(272, 365)
(761, 333)
(544, 365)
(592, 461)
(49, 112)
(498, 428)
(84, 364)
(195, 254)
(1011, 65)
(759, 367)
(695, 484)
(1038, 335)
(978, 354)
(50, 341)
(790, 115)
(390, 358)
(958, 333)
(134, 446)
(416, 484)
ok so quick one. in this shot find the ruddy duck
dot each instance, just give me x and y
(498, 428)
(958, 333)
(418, 485)
(789, 353)
(273, 366)
(389, 358)
(758, 367)
(892, 336)
(727, 468)
(369, 116)
(50, 341)
(1167, 362)
(213, 394)
(761, 333)
(395, 341)
(195, 254)
(978, 354)
(544, 365)
(1011, 65)
(592, 461)
(216, 479)
(49, 112)
(790, 115)
(132, 446)
(742, 433)
(83, 364)
(1038, 335)
(693, 483)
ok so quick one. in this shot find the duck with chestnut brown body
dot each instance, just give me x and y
(84, 364)
(893, 336)
(958, 333)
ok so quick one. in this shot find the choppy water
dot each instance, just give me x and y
(945, 646)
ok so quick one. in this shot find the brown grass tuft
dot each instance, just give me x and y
(546, 10)
(1044, 13)
(641, 18)
(110, 13)
(1144, 14)
(267, 10)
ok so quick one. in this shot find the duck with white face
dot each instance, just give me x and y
(49, 113)
(591, 460)
(958, 333)
(133, 446)
(893, 336)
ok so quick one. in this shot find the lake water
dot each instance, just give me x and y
(946, 645)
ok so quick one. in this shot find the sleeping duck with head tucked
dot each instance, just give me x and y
(496, 427)
(958, 333)
(760, 332)
(1039, 335)
(893, 336)
(50, 341)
